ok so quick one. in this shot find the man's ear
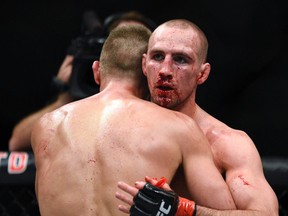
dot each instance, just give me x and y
(144, 56)
(203, 75)
(96, 71)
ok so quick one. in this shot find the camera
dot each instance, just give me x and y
(86, 48)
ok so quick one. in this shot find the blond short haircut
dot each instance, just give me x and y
(122, 51)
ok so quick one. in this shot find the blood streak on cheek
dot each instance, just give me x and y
(243, 180)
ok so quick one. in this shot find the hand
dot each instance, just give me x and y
(132, 191)
(153, 198)
(125, 197)
(65, 69)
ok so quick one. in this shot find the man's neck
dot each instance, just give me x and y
(188, 108)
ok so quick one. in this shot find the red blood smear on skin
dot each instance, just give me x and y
(242, 178)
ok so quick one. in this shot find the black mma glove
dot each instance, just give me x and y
(154, 201)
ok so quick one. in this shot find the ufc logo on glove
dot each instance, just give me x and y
(151, 201)
(162, 210)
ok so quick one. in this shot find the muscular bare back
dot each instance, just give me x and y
(84, 148)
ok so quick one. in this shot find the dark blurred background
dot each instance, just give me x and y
(247, 87)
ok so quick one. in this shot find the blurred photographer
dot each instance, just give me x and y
(74, 79)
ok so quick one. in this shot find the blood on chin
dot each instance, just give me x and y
(163, 101)
(163, 98)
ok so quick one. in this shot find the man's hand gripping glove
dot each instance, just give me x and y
(155, 201)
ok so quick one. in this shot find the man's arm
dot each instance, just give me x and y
(245, 178)
(201, 210)
(251, 192)
(20, 139)
(205, 183)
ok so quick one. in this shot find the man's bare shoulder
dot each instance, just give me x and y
(55, 116)
(222, 133)
(50, 120)
(218, 131)
(233, 145)
(176, 118)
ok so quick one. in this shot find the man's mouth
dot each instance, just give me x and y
(165, 88)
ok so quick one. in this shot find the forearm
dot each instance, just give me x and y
(203, 211)
(189, 208)
(20, 139)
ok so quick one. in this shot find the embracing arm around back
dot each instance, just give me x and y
(235, 155)
(205, 183)
(244, 175)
